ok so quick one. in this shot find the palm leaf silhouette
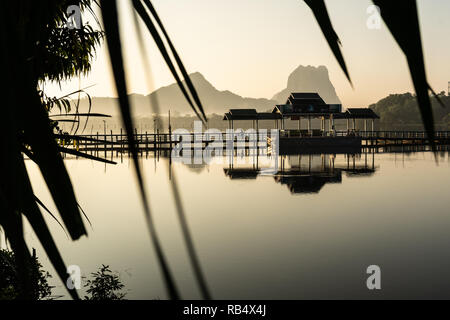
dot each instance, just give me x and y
(110, 20)
(406, 32)
(323, 19)
(173, 181)
(152, 29)
(403, 23)
(29, 28)
(25, 125)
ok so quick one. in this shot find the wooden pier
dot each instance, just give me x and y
(155, 142)
(377, 138)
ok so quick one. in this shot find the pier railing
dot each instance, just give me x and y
(153, 141)
(399, 134)
(381, 135)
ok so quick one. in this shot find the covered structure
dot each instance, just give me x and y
(250, 114)
(304, 105)
(360, 113)
(308, 105)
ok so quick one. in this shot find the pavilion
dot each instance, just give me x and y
(305, 105)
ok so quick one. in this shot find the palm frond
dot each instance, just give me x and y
(100, 115)
(180, 210)
(43, 206)
(162, 48)
(186, 77)
(110, 21)
(189, 242)
(48, 158)
(29, 31)
(323, 19)
(85, 155)
(406, 32)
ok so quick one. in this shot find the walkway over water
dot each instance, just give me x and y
(166, 141)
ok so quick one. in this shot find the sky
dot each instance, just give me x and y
(251, 46)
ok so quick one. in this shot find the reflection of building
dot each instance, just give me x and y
(243, 173)
(309, 173)
(196, 167)
(308, 182)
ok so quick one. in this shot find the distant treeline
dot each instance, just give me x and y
(400, 111)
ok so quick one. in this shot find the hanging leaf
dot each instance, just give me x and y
(321, 14)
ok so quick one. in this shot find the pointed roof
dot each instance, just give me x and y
(305, 98)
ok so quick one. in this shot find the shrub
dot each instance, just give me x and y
(105, 285)
(10, 284)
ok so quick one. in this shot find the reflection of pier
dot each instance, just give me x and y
(309, 173)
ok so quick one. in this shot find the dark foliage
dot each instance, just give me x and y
(10, 284)
(105, 285)
(35, 48)
(400, 111)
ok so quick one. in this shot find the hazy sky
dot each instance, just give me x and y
(251, 46)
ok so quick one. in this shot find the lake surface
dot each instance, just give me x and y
(308, 232)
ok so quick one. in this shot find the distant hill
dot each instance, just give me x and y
(400, 111)
(309, 79)
(306, 79)
(214, 101)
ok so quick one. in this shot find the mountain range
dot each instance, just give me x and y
(302, 79)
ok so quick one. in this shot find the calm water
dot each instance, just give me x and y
(309, 232)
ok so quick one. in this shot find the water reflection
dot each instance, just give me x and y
(308, 173)
(256, 240)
